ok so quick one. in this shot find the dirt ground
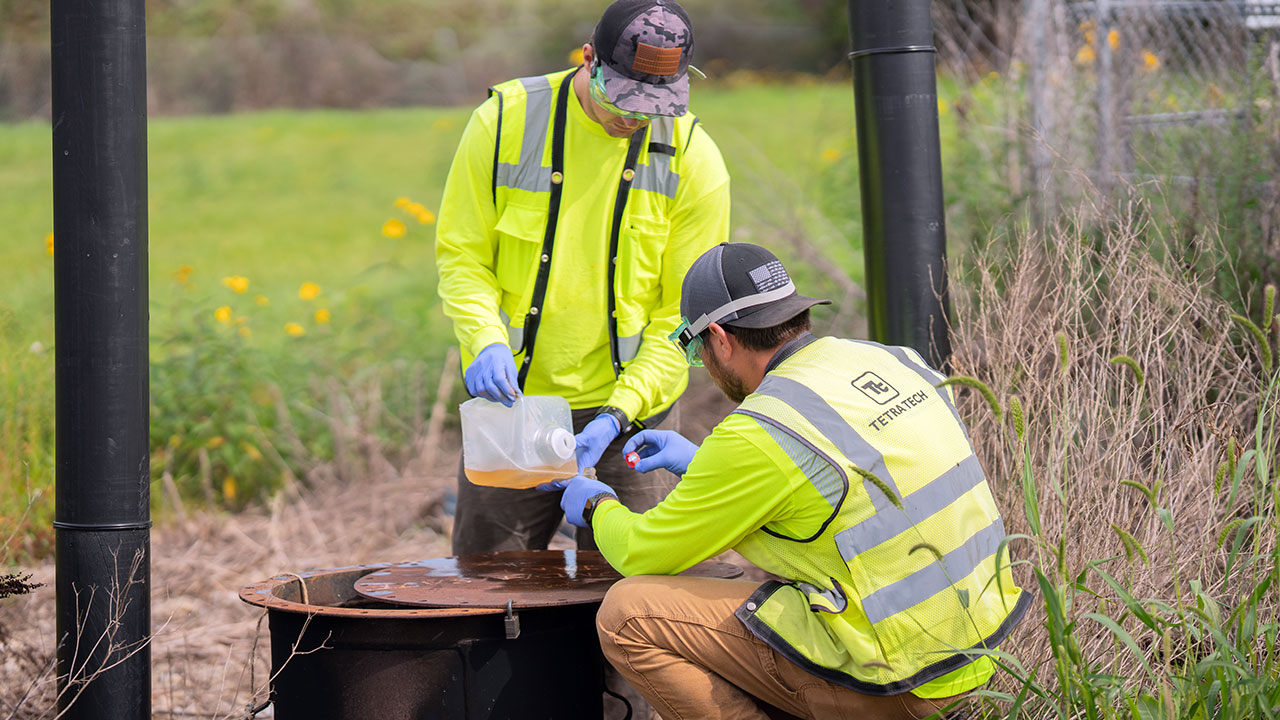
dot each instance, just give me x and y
(210, 652)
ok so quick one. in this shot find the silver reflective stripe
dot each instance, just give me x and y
(741, 303)
(919, 506)
(834, 596)
(828, 422)
(515, 336)
(530, 174)
(629, 346)
(936, 576)
(656, 176)
(822, 473)
(931, 376)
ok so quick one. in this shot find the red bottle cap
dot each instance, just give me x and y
(633, 457)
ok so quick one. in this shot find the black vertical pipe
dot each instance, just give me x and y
(102, 515)
(900, 169)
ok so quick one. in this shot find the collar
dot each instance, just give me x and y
(788, 349)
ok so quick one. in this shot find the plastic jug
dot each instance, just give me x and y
(521, 446)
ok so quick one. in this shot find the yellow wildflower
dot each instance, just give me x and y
(1216, 96)
(223, 315)
(830, 155)
(1150, 63)
(415, 208)
(322, 316)
(309, 291)
(403, 202)
(943, 107)
(253, 452)
(575, 56)
(1113, 39)
(215, 442)
(229, 488)
(426, 217)
(993, 76)
(236, 283)
(182, 275)
(1085, 55)
(244, 332)
(262, 300)
(293, 329)
(393, 228)
(48, 244)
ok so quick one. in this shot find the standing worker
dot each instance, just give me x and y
(845, 472)
(574, 205)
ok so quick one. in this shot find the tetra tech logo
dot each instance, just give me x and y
(874, 387)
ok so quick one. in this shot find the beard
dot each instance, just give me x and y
(730, 383)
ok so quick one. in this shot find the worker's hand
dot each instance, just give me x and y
(492, 375)
(661, 449)
(594, 438)
(577, 490)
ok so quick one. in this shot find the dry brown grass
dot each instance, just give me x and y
(210, 658)
(1044, 318)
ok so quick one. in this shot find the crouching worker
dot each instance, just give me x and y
(844, 471)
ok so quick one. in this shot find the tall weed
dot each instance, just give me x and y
(1139, 457)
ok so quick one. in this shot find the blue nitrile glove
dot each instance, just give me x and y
(661, 449)
(594, 438)
(492, 375)
(577, 490)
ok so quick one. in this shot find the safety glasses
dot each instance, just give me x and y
(602, 98)
(687, 343)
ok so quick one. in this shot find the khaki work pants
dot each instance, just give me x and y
(490, 519)
(676, 640)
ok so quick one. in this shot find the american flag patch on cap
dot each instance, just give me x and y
(769, 276)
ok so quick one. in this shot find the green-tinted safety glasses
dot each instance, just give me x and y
(602, 98)
(687, 343)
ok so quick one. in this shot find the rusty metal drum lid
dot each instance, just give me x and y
(526, 578)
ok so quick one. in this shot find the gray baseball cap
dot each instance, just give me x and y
(644, 48)
(741, 285)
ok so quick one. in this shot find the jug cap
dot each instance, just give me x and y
(562, 443)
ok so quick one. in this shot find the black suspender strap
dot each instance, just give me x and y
(619, 209)
(497, 145)
(534, 317)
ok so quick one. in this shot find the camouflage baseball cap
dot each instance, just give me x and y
(644, 48)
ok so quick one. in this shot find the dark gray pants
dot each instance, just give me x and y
(489, 519)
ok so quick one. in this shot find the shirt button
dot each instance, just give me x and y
(533, 311)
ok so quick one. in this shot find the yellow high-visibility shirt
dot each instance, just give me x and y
(572, 357)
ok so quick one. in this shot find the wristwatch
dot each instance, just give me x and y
(621, 417)
(592, 502)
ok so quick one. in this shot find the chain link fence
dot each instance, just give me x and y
(1173, 102)
(1131, 89)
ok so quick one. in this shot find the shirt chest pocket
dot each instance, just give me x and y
(520, 233)
(640, 250)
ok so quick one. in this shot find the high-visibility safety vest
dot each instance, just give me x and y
(528, 169)
(922, 573)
